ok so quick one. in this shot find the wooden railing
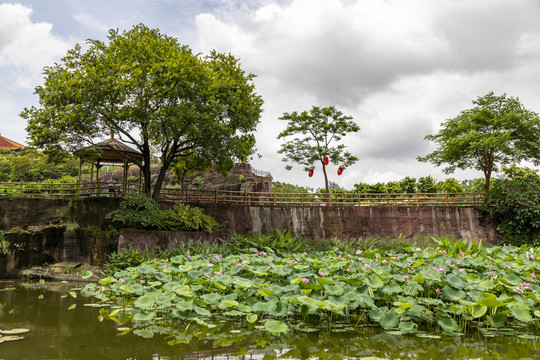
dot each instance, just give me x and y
(85, 189)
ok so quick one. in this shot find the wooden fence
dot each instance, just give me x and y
(86, 189)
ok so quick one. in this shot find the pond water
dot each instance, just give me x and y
(62, 326)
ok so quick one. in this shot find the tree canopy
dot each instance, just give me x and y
(314, 133)
(497, 131)
(153, 93)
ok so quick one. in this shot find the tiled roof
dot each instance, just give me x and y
(6, 144)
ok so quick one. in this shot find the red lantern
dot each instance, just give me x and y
(325, 160)
(310, 172)
(340, 171)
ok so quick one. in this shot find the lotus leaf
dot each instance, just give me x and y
(448, 324)
(276, 327)
(389, 319)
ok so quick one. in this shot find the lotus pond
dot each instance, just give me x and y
(447, 302)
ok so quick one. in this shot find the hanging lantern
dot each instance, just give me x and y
(310, 172)
(340, 171)
(325, 160)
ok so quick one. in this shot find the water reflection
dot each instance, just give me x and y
(59, 333)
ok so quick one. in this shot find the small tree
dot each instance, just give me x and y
(315, 131)
(497, 131)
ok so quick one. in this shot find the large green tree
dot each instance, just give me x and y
(315, 134)
(497, 131)
(153, 93)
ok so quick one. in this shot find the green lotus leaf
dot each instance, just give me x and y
(145, 301)
(185, 268)
(490, 300)
(374, 281)
(520, 311)
(184, 305)
(251, 318)
(201, 311)
(72, 306)
(455, 281)
(312, 304)
(497, 320)
(243, 283)
(334, 289)
(324, 281)
(266, 292)
(276, 327)
(408, 327)
(145, 269)
(452, 294)
(388, 319)
(145, 333)
(392, 289)
(144, 316)
(264, 306)
(477, 311)
(178, 259)
(448, 324)
(107, 280)
(87, 274)
(184, 290)
(212, 298)
(486, 284)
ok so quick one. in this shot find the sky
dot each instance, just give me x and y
(399, 68)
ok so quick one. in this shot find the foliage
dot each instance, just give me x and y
(142, 212)
(4, 244)
(497, 131)
(454, 288)
(153, 93)
(189, 165)
(280, 242)
(282, 187)
(515, 201)
(30, 165)
(314, 132)
(190, 218)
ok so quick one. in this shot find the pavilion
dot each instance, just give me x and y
(110, 152)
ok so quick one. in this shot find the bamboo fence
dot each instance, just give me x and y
(215, 196)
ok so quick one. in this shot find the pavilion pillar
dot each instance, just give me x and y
(125, 180)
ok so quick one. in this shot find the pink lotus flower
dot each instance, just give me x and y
(518, 290)
(219, 274)
(238, 265)
(442, 270)
(142, 281)
(405, 277)
(208, 275)
(532, 257)
(321, 274)
(209, 264)
(437, 290)
(358, 252)
(122, 281)
(265, 262)
(509, 266)
(462, 271)
(533, 275)
(348, 269)
(367, 266)
(305, 280)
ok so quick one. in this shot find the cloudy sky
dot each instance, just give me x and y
(399, 68)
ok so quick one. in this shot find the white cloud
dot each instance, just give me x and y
(399, 68)
(24, 43)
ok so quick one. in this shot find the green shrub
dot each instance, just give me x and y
(143, 212)
(515, 201)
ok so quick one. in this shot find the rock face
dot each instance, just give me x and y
(241, 177)
(53, 231)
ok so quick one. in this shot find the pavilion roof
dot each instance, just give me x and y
(110, 152)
